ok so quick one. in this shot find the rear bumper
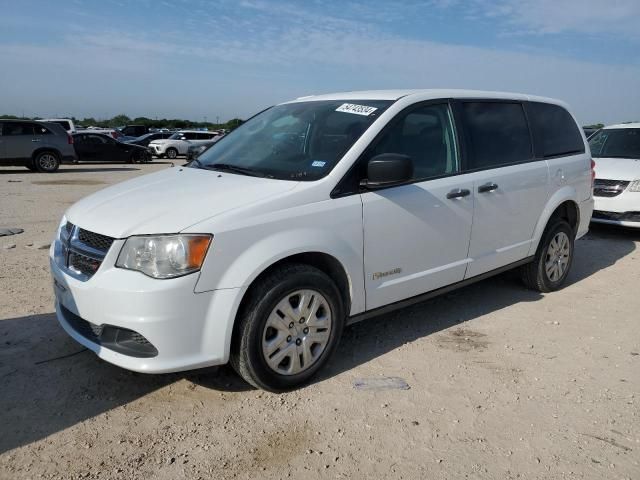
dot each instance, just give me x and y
(585, 210)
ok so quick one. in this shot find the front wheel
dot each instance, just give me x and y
(46, 162)
(288, 328)
(553, 259)
(172, 153)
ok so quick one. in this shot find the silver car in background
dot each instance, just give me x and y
(39, 146)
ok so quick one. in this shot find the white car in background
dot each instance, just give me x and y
(66, 123)
(616, 150)
(179, 143)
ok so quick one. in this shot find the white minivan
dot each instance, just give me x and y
(315, 214)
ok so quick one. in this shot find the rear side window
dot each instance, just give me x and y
(496, 133)
(14, 129)
(66, 125)
(554, 130)
(42, 130)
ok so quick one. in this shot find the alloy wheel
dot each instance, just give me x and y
(557, 258)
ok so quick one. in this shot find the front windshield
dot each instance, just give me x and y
(294, 141)
(616, 143)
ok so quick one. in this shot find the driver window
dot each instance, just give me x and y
(425, 134)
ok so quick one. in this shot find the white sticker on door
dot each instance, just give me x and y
(356, 109)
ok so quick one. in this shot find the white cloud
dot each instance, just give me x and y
(211, 67)
(613, 17)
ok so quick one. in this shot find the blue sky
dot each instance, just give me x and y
(220, 58)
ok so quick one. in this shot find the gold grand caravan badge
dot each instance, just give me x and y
(378, 275)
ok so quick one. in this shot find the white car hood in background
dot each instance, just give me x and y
(617, 168)
(169, 201)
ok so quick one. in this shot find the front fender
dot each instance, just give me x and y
(566, 193)
(265, 252)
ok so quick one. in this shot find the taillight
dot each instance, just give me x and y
(69, 139)
(593, 172)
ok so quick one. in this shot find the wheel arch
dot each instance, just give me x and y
(562, 204)
(40, 150)
(323, 261)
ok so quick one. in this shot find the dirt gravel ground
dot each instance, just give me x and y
(504, 383)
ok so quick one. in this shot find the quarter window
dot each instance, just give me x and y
(426, 135)
(496, 133)
(554, 130)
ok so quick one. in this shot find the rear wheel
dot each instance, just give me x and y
(46, 162)
(172, 153)
(553, 259)
(289, 327)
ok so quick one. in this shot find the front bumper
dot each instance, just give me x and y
(156, 149)
(187, 330)
(622, 209)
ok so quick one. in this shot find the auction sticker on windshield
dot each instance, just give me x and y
(356, 109)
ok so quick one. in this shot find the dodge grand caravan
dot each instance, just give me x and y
(315, 214)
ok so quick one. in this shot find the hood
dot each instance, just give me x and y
(169, 201)
(617, 168)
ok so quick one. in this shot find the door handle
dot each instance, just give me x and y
(487, 187)
(458, 193)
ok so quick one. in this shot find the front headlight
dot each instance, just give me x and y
(164, 256)
(634, 186)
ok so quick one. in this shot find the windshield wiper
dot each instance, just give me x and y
(226, 167)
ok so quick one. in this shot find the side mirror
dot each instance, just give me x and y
(388, 169)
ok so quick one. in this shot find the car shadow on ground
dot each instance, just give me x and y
(49, 383)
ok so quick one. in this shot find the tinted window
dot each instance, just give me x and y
(41, 130)
(554, 130)
(191, 136)
(66, 125)
(616, 143)
(97, 139)
(426, 135)
(16, 128)
(497, 134)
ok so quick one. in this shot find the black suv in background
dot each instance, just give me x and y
(134, 130)
(39, 146)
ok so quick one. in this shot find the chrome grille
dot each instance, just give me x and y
(609, 188)
(95, 240)
(82, 251)
(82, 264)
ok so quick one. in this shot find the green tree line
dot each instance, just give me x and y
(122, 120)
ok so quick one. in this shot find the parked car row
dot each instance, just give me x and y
(43, 145)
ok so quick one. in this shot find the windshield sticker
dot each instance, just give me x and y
(356, 109)
(318, 163)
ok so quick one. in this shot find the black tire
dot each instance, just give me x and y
(31, 165)
(172, 153)
(46, 162)
(247, 356)
(535, 275)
